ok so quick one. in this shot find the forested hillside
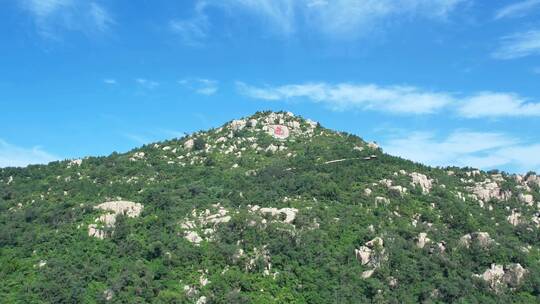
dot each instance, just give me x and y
(272, 208)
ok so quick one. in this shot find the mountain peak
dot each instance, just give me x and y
(271, 198)
(280, 125)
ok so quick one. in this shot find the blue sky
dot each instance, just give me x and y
(444, 82)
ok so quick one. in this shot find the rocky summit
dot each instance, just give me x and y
(271, 208)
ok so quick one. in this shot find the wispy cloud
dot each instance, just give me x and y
(110, 81)
(347, 19)
(518, 9)
(200, 85)
(53, 16)
(15, 156)
(147, 84)
(397, 99)
(339, 19)
(518, 45)
(100, 17)
(192, 31)
(482, 150)
(492, 104)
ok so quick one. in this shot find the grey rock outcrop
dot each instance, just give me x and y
(499, 277)
(481, 238)
(422, 240)
(421, 180)
(108, 220)
(488, 190)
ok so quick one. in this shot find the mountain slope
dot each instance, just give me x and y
(270, 208)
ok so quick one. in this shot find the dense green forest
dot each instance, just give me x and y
(271, 208)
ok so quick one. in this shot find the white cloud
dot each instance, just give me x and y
(464, 148)
(147, 84)
(110, 81)
(53, 16)
(524, 157)
(491, 104)
(395, 99)
(518, 9)
(100, 17)
(15, 156)
(518, 45)
(44, 8)
(350, 18)
(200, 85)
(191, 31)
(342, 19)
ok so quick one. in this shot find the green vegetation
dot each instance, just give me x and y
(47, 255)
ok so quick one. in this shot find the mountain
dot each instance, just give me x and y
(272, 208)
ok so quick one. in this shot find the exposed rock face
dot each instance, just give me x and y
(203, 280)
(289, 213)
(382, 200)
(515, 218)
(488, 190)
(367, 192)
(311, 123)
(373, 145)
(115, 208)
(398, 189)
(368, 273)
(392, 282)
(238, 124)
(441, 246)
(278, 131)
(533, 180)
(261, 257)
(130, 209)
(272, 148)
(137, 156)
(190, 291)
(514, 274)
(94, 231)
(202, 224)
(422, 240)
(481, 238)
(499, 277)
(423, 181)
(527, 199)
(389, 184)
(493, 276)
(252, 123)
(193, 237)
(75, 162)
(371, 254)
(536, 219)
(363, 254)
(188, 145)
(108, 294)
(473, 173)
